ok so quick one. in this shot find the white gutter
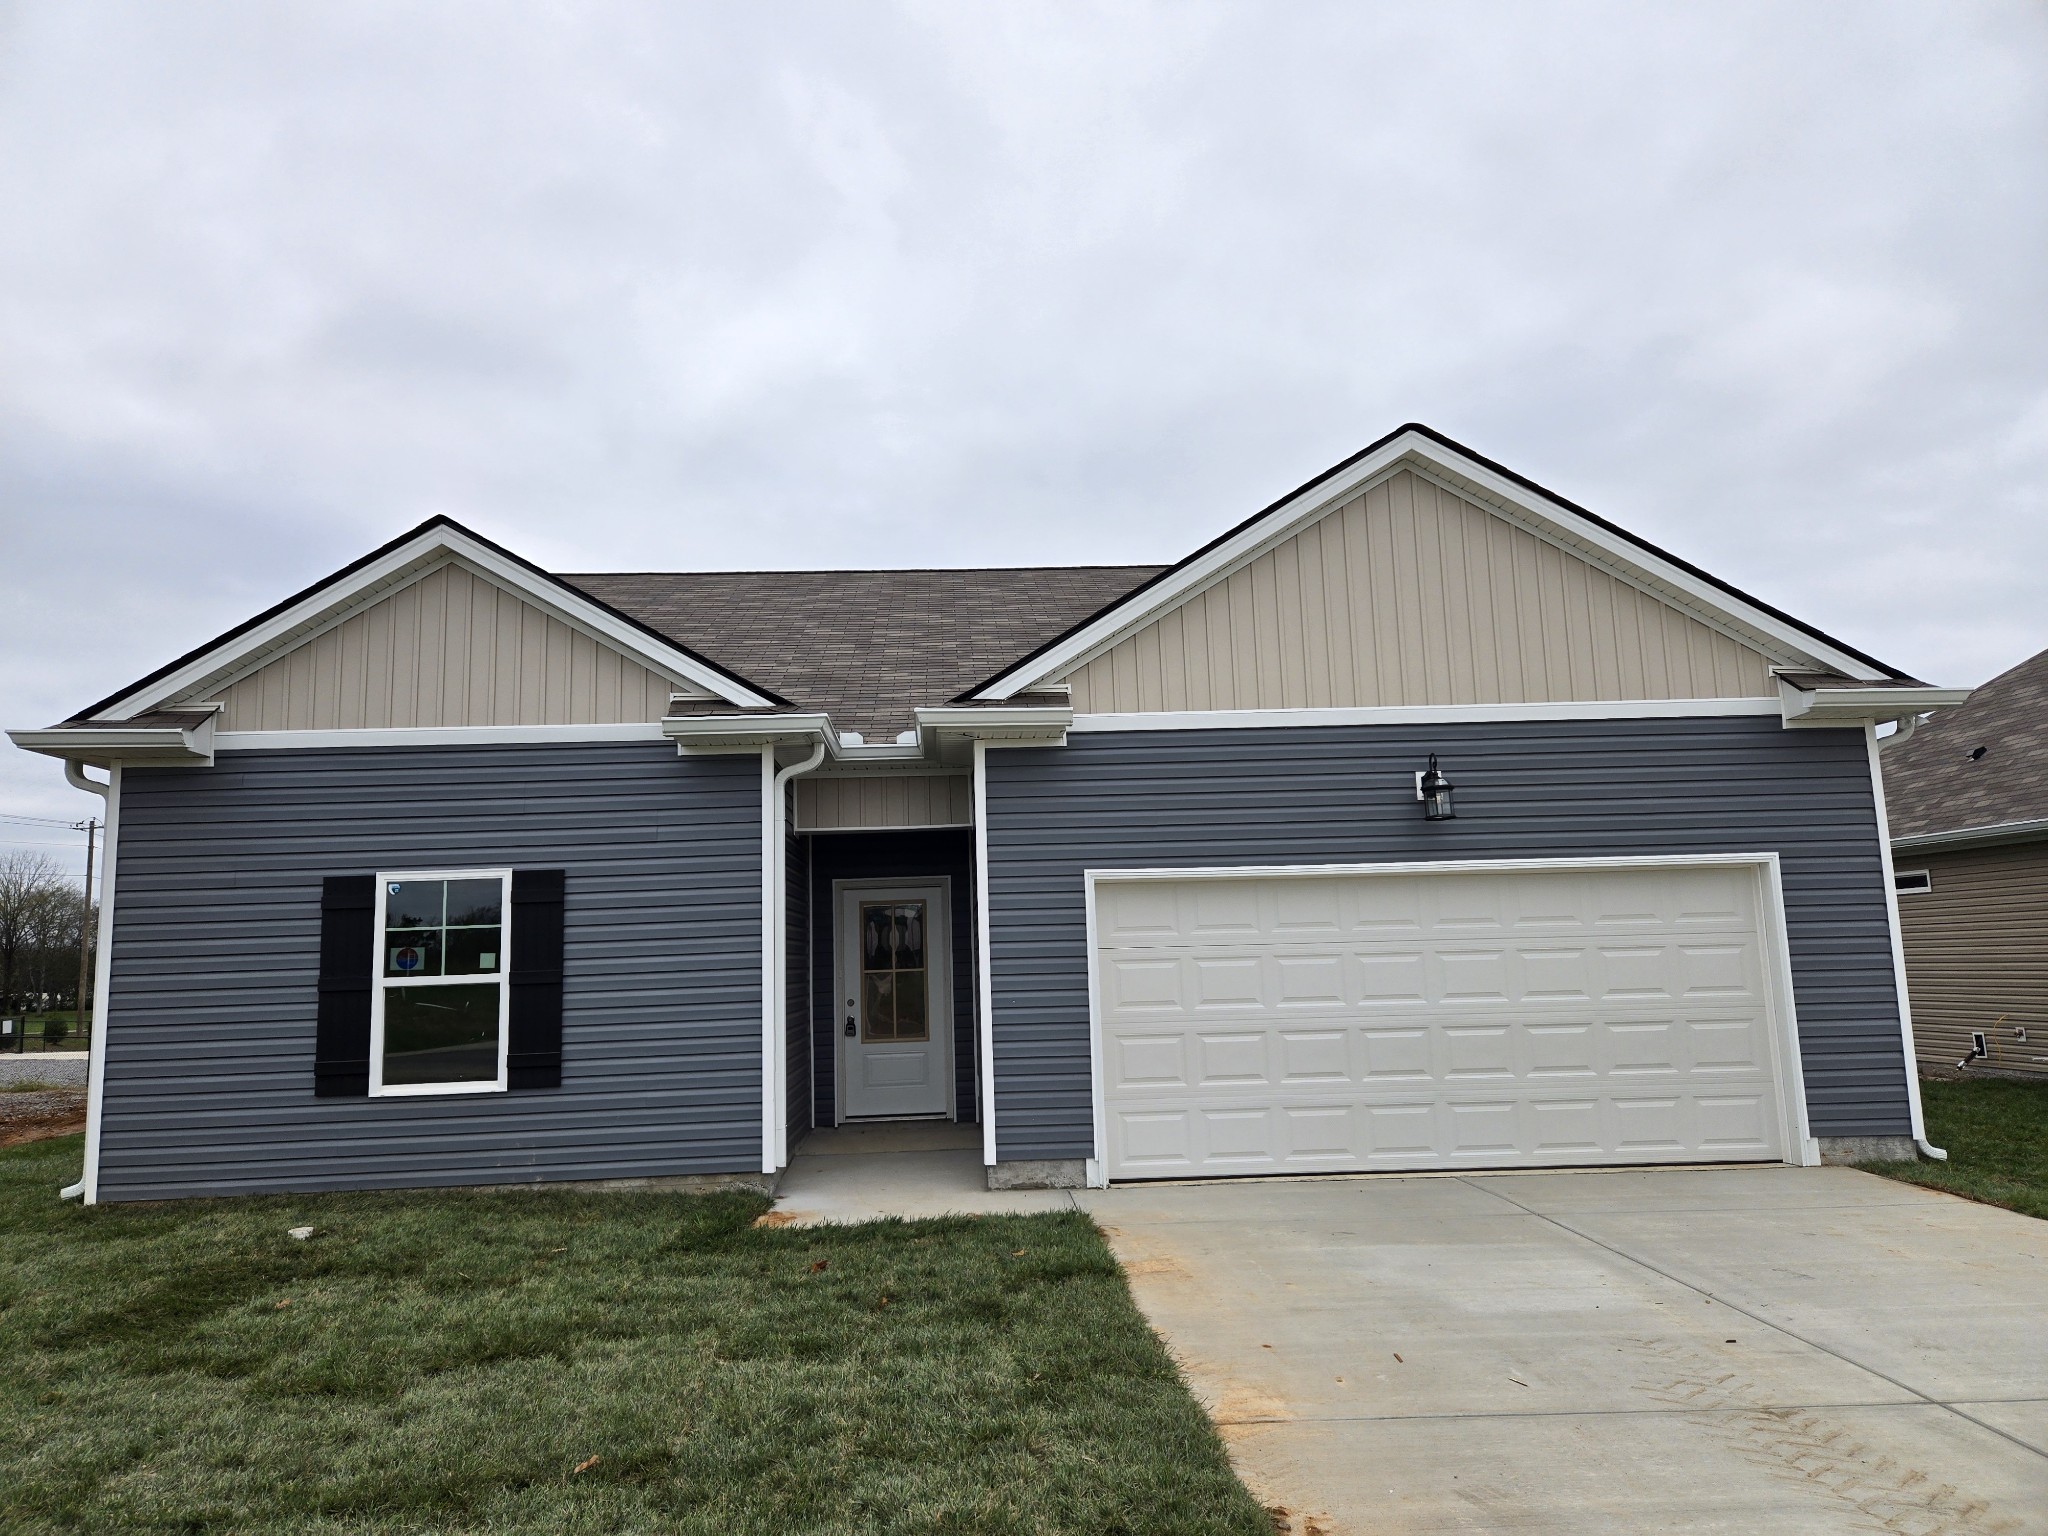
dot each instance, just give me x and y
(1891, 908)
(746, 733)
(1016, 725)
(775, 944)
(96, 1062)
(1970, 837)
(168, 746)
(1855, 706)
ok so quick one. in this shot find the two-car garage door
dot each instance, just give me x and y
(1296, 1022)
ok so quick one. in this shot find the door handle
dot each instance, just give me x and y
(849, 1029)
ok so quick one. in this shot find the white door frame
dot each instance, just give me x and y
(1782, 1017)
(938, 889)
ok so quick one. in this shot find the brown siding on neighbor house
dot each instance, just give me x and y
(883, 801)
(1977, 954)
(451, 649)
(1412, 594)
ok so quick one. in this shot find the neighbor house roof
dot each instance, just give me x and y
(1940, 782)
(866, 647)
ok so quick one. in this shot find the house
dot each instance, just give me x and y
(1968, 796)
(1423, 820)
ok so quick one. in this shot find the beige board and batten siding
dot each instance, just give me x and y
(451, 649)
(1977, 955)
(1412, 594)
(882, 802)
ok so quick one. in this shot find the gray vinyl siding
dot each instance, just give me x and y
(209, 1076)
(1533, 789)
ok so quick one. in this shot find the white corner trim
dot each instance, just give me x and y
(1291, 516)
(984, 973)
(434, 736)
(102, 978)
(1794, 1124)
(1420, 714)
(1891, 913)
(407, 563)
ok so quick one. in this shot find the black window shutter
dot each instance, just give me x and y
(534, 1051)
(341, 1028)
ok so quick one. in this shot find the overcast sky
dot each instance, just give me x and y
(799, 285)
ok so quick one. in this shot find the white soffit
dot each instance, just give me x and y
(1537, 514)
(400, 567)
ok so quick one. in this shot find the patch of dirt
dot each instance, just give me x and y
(34, 1116)
(775, 1218)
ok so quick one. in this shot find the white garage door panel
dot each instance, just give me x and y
(1452, 1020)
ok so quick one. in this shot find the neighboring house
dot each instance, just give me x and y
(450, 870)
(1968, 796)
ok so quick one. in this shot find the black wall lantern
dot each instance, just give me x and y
(1434, 791)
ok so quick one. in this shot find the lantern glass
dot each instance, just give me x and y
(1436, 793)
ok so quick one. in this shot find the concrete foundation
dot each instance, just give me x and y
(1835, 1150)
(1051, 1173)
(680, 1183)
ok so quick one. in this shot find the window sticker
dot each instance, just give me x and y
(408, 959)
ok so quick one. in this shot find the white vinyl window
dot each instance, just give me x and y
(437, 1012)
(1910, 882)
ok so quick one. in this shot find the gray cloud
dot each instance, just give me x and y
(812, 284)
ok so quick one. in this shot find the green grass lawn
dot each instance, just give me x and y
(560, 1362)
(1996, 1135)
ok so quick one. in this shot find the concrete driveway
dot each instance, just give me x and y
(1754, 1350)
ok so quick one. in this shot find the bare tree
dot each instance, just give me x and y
(39, 926)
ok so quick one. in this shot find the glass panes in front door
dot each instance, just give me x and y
(893, 998)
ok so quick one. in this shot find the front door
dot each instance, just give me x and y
(895, 999)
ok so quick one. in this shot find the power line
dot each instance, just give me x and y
(39, 821)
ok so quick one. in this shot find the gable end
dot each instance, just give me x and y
(1411, 593)
(452, 648)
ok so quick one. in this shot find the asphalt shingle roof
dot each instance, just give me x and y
(1932, 783)
(867, 647)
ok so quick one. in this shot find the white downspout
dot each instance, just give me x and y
(775, 945)
(984, 975)
(96, 1059)
(1908, 724)
(1891, 907)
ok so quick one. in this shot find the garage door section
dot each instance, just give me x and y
(1497, 1019)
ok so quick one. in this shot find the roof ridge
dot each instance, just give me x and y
(884, 570)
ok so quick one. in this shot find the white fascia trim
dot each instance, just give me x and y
(154, 745)
(1313, 502)
(1966, 837)
(1794, 1123)
(404, 563)
(1891, 912)
(1420, 714)
(984, 972)
(1855, 706)
(434, 736)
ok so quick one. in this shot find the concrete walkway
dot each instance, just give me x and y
(910, 1169)
(1755, 1350)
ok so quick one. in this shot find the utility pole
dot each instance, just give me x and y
(89, 827)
